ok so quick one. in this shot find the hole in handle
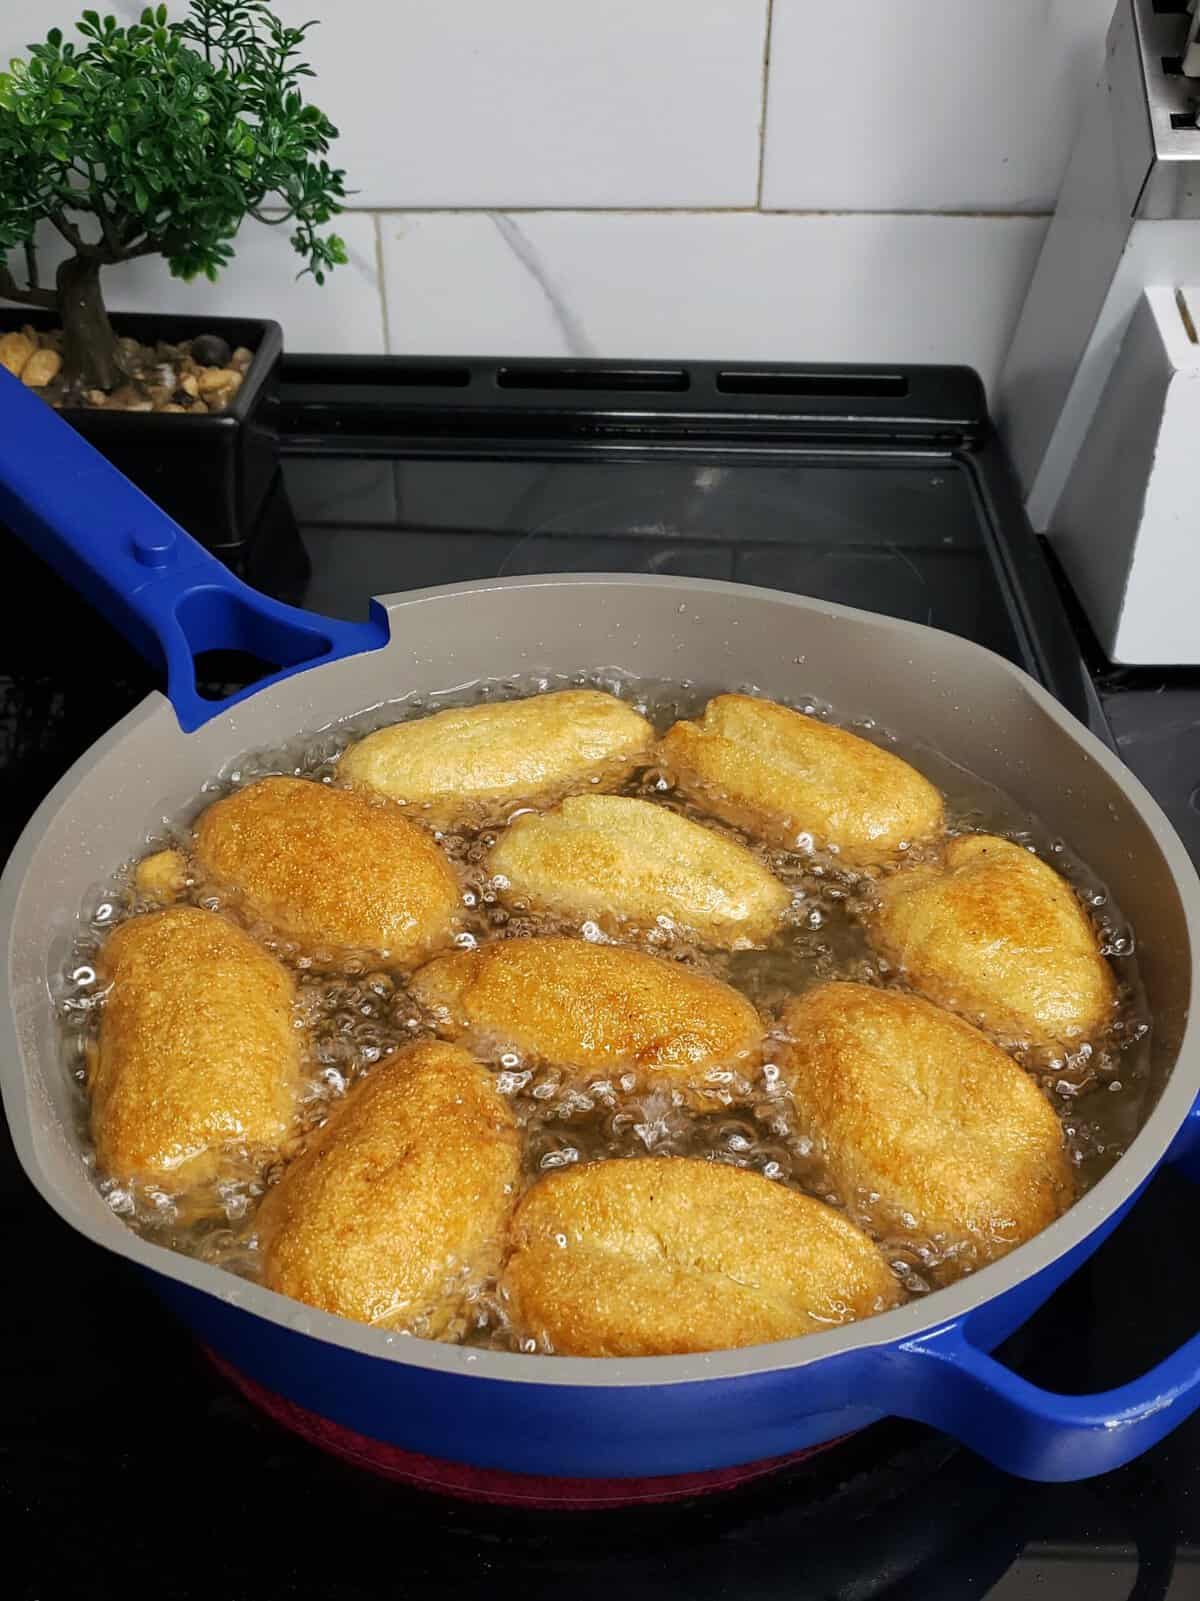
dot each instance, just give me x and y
(221, 673)
(234, 643)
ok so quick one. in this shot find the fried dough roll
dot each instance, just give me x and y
(630, 861)
(790, 779)
(500, 752)
(330, 866)
(659, 1255)
(922, 1122)
(997, 935)
(595, 1008)
(401, 1199)
(197, 1050)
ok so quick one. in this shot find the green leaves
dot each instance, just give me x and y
(163, 135)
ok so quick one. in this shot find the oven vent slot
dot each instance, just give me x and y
(651, 380)
(429, 377)
(749, 381)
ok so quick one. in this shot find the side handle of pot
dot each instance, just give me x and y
(946, 1381)
(158, 586)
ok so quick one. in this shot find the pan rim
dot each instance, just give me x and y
(901, 1326)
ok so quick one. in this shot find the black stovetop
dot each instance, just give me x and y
(128, 1467)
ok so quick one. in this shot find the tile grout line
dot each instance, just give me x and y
(383, 297)
(378, 212)
(762, 115)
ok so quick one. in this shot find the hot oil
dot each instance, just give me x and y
(354, 1013)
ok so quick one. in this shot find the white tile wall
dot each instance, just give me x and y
(926, 105)
(545, 176)
(544, 103)
(524, 102)
(823, 288)
(25, 21)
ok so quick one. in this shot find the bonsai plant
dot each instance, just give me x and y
(156, 138)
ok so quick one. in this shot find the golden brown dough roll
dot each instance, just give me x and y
(596, 1008)
(1000, 937)
(330, 866)
(779, 774)
(500, 751)
(399, 1202)
(659, 1255)
(161, 877)
(196, 1050)
(611, 856)
(911, 1104)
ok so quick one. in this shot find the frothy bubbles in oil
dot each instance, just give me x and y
(352, 1013)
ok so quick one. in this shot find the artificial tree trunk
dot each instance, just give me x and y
(92, 358)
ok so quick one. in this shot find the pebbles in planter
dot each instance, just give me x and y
(196, 376)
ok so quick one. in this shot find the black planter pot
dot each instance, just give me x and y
(212, 474)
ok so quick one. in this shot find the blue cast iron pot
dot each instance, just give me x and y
(574, 1417)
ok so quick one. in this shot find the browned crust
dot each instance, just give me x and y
(401, 1198)
(661, 1255)
(330, 866)
(196, 1047)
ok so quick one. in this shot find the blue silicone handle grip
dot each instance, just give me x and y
(169, 596)
(944, 1380)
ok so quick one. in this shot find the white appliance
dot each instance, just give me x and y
(1128, 221)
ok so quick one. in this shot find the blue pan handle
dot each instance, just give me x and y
(944, 1380)
(160, 588)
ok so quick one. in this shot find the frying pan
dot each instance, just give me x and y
(575, 1418)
